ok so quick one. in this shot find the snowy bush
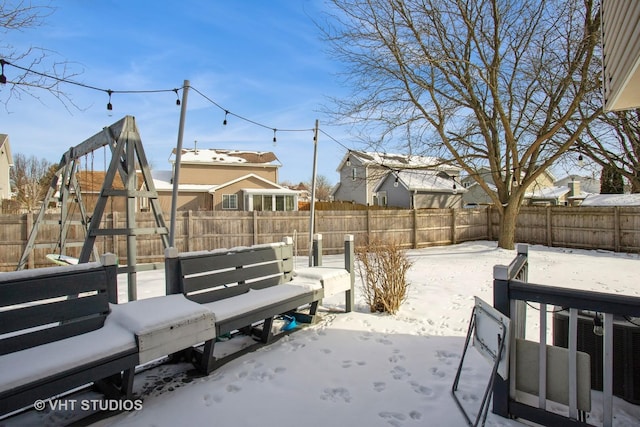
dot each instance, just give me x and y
(383, 267)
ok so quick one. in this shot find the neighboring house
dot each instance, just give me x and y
(419, 189)
(364, 175)
(229, 180)
(568, 195)
(588, 184)
(476, 195)
(6, 162)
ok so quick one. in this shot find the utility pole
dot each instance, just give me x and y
(176, 165)
(313, 193)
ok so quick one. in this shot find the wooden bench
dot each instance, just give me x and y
(56, 334)
(244, 288)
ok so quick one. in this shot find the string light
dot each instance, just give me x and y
(225, 117)
(177, 97)
(3, 78)
(109, 106)
(274, 137)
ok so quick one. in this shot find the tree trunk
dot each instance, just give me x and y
(508, 218)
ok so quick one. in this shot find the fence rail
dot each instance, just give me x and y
(615, 229)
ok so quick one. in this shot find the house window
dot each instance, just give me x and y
(289, 203)
(279, 203)
(267, 203)
(381, 198)
(229, 201)
(257, 202)
(354, 174)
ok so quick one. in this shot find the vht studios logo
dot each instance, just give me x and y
(88, 405)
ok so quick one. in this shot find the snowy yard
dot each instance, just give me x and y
(364, 369)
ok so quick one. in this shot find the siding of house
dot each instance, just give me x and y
(354, 190)
(621, 46)
(236, 188)
(220, 173)
(5, 161)
(186, 201)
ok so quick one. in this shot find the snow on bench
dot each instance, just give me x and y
(56, 335)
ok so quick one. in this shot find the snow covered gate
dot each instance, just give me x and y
(567, 371)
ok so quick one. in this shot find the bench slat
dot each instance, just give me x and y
(219, 261)
(51, 286)
(45, 336)
(228, 277)
(232, 291)
(42, 314)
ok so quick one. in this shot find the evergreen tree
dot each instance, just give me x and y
(611, 180)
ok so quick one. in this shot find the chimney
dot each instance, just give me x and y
(574, 188)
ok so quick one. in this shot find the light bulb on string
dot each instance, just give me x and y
(580, 160)
(177, 97)
(225, 117)
(3, 78)
(274, 137)
(109, 106)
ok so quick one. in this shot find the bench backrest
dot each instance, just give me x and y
(49, 304)
(223, 273)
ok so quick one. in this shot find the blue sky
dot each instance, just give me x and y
(263, 60)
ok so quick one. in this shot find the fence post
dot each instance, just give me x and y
(349, 255)
(549, 229)
(255, 227)
(30, 261)
(489, 224)
(415, 228)
(501, 303)
(189, 230)
(368, 225)
(616, 228)
(454, 213)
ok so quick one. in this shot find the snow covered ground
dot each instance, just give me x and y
(367, 369)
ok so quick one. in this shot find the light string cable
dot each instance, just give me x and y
(109, 92)
(248, 120)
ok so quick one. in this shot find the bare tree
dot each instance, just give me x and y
(485, 83)
(31, 178)
(34, 67)
(323, 188)
(613, 141)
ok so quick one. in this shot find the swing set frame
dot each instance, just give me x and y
(127, 154)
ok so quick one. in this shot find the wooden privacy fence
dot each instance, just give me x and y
(609, 228)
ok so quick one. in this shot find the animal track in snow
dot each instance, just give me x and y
(336, 394)
(399, 373)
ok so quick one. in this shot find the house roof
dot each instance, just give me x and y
(226, 157)
(396, 161)
(424, 180)
(612, 200)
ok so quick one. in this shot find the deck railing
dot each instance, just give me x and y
(563, 375)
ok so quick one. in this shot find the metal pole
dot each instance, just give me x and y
(313, 193)
(176, 165)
